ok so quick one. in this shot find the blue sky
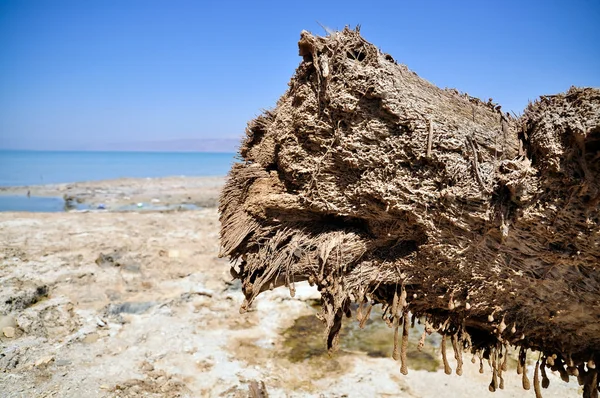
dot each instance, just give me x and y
(82, 73)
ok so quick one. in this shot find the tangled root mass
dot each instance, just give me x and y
(381, 188)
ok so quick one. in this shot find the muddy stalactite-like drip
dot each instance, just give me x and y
(380, 188)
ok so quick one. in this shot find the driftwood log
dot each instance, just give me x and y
(381, 188)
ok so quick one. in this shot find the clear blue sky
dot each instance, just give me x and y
(77, 73)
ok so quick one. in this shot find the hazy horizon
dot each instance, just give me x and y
(95, 73)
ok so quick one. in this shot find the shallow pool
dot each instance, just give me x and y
(40, 204)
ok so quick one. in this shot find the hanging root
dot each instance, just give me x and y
(447, 368)
(457, 354)
(494, 383)
(545, 379)
(422, 341)
(536, 380)
(404, 347)
(501, 367)
(590, 388)
(395, 354)
(564, 376)
(519, 362)
(480, 364)
(522, 360)
(395, 304)
(362, 321)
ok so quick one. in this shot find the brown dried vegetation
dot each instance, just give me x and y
(380, 188)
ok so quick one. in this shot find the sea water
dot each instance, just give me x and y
(22, 168)
(40, 204)
(25, 168)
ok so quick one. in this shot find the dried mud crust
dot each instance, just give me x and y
(381, 188)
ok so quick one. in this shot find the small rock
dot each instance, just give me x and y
(44, 361)
(8, 331)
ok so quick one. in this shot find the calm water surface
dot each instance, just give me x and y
(19, 168)
(34, 204)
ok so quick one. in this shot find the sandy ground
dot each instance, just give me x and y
(127, 304)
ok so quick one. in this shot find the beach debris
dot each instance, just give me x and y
(101, 206)
(366, 180)
(140, 204)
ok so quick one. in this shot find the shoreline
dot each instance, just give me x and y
(120, 193)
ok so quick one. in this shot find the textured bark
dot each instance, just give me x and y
(379, 187)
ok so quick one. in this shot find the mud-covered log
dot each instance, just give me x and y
(377, 186)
